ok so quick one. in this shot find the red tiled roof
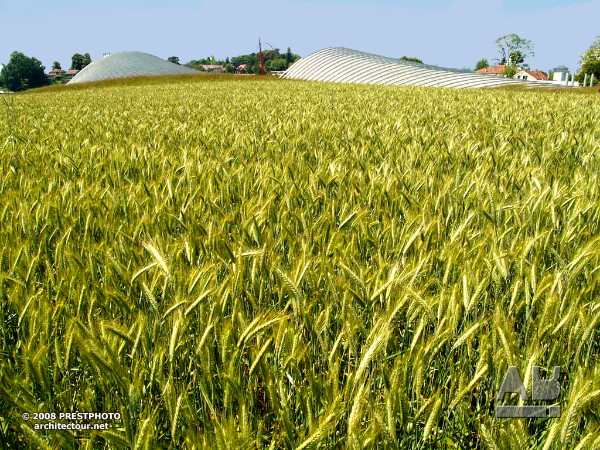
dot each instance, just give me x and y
(495, 70)
(538, 75)
(73, 71)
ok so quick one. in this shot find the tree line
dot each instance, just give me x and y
(23, 72)
(273, 60)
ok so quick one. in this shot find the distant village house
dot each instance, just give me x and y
(56, 73)
(492, 70)
(71, 73)
(531, 75)
(214, 68)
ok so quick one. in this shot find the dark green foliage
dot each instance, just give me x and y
(406, 58)
(590, 63)
(173, 59)
(79, 61)
(198, 63)
(482, 64)
(591, 67)
(23, 73)
(516, 58)
(273, 60)
(510, 70)
(276, 64)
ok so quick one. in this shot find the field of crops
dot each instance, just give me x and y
(238, 263)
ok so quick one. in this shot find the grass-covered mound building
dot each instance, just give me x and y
(128, 64)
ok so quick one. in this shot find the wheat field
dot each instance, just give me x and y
(237, 263)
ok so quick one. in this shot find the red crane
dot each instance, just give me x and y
(268, 55)
(262, 69)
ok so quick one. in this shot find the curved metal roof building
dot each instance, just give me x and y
(342, 65)
(128, 64)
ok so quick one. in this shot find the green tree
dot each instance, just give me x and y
(77, 61)
(516, 58)
(512, 46)
(173, 59)
(253, 64)
(276, 64)
(510, 70)
(482, 64)
(23, 73)
(590, 63)
(406, 58)
(56, 65)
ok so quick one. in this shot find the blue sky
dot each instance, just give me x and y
(451, 33)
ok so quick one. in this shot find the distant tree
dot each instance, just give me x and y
(591, 67)
(252, 60)
(517, 59)
(406, 58)
(590, 63)
(593, 53)
(466, 69)
(23, 73)
(276, 64)
(56, 65)
(481, 64)
(229, 68)
(79, 61)
(227, 60)
(510, 70)
(173, 59)
(514, 47)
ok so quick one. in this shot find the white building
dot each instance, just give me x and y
(343, 65)
(560, 73)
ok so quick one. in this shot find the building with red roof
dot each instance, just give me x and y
(492, 70)
(531, 75)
